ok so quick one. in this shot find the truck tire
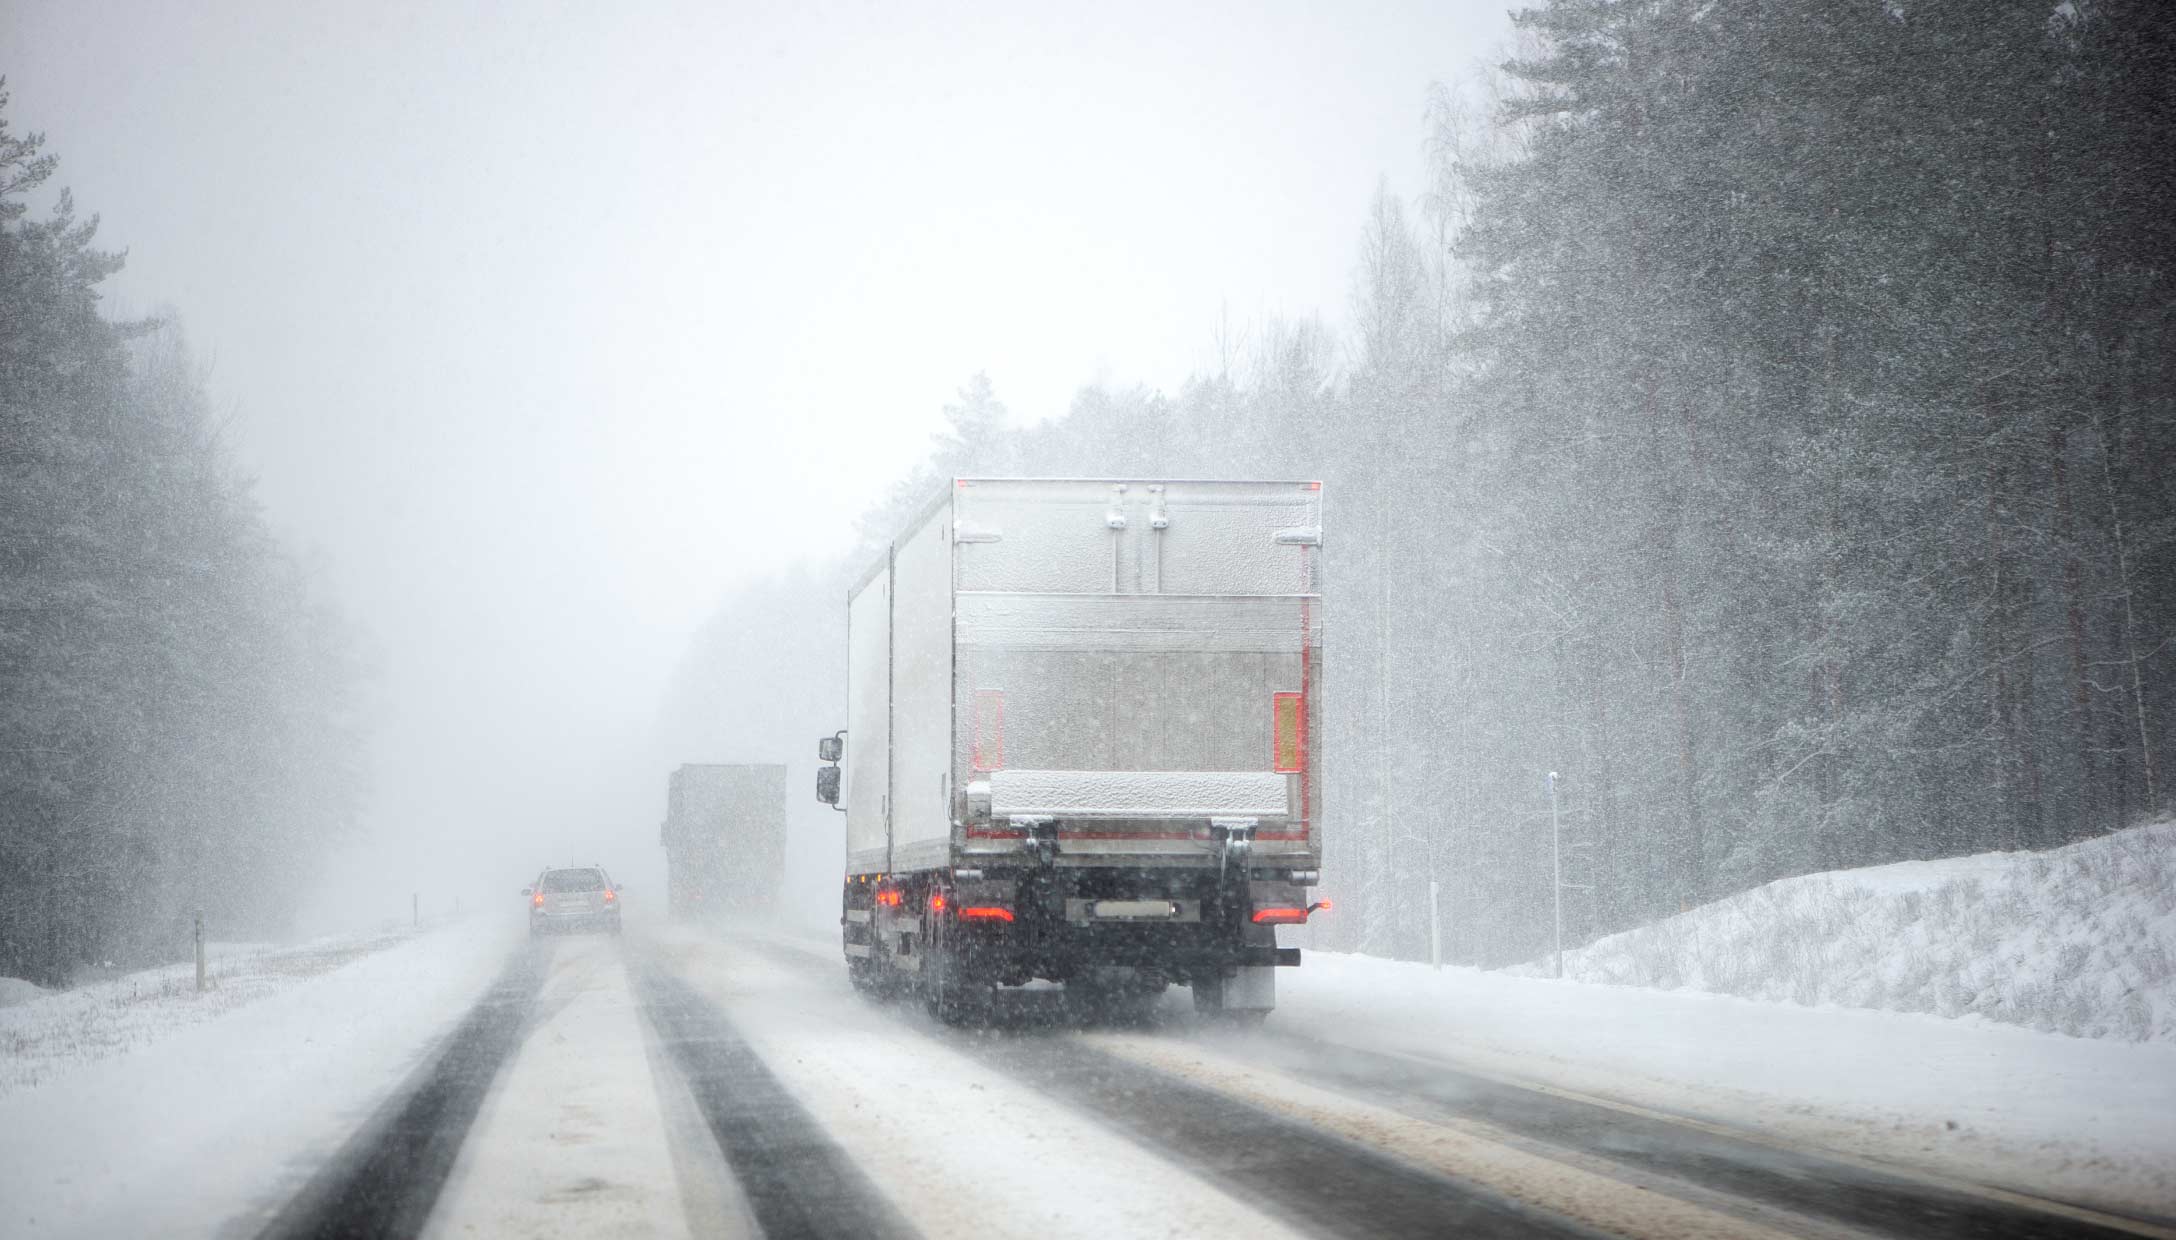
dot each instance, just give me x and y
(954, 994)
(861, 971)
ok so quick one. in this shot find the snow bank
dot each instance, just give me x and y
(221, 1117)
(46, 1032)
(14, 990)
(2079, 940)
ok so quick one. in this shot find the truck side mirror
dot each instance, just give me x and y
(827, 785)
(828, 748)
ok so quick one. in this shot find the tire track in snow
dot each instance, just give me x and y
(1317, 1179)
(1744, 1166)
(1705, 1166)
(386, 1178)
(797, 1181)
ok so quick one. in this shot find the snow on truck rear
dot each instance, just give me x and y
(1080, 741)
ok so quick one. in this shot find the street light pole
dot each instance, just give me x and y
(1556, 874)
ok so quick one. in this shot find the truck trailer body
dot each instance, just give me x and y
(1081, 741)
(725, 836)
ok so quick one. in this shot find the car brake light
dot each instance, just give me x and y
(984, 912)
(936, 902)
(610, 895)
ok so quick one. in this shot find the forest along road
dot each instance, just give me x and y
(674, 1085)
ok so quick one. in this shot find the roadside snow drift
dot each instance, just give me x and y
(2079, 940)
(205, 1118)
(44, 1033)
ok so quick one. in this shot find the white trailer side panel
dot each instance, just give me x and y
(922, 694)
(868, 723)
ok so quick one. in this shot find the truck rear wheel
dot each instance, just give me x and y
(861, 971)
(954, 993)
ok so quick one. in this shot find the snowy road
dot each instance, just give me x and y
(676, 1086)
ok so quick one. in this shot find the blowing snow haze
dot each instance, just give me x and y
(1268, 620)
(538, 329)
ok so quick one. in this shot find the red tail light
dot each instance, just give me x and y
(610, 895)
(984, 912)
(936, 902)
(1288, 916)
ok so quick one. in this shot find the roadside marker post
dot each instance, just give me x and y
(1556, 874)
(1435, 924)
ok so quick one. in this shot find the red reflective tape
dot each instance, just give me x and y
(1129, 835)
(1280, 916)
(1307, 821)
(1079, 833)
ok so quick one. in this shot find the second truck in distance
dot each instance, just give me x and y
(1081, 742)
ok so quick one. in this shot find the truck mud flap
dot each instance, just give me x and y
(1287, 957)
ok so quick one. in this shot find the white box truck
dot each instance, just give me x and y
(1082, 742)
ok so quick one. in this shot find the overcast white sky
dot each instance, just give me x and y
(540, 323)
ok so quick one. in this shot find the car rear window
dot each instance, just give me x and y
(574, 880)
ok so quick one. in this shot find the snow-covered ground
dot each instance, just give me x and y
(14, 990)
(573, 1139)
(882, 1079)
(45, 1032)
(2078, 940)
(218, 1114)
(2072, 1118)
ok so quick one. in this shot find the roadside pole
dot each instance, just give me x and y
(1435, 924)
(1556, 874)
(415, 909)
(200, 949)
